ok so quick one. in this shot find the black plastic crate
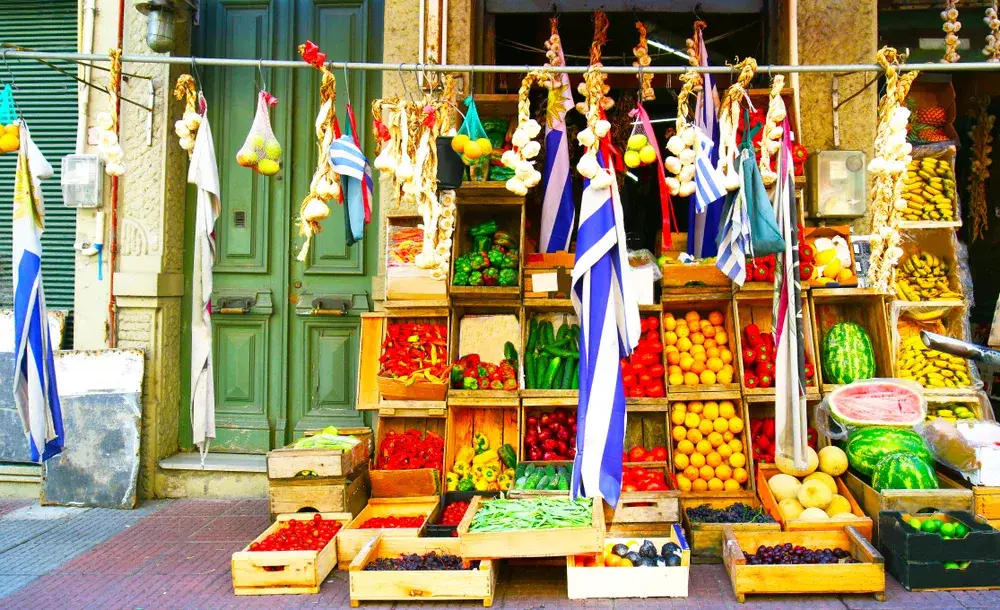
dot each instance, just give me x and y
(435, 530)
(932, 575)
(896, 537)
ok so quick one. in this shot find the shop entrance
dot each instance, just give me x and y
(286, 335)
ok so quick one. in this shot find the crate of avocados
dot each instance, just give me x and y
(321, 454)
(853, 565)
(949, 536)
(704, 519)
(424, 569)
(548, 275)
(327, 495)
(259, 569)
(393, 517)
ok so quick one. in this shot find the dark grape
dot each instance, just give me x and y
(735, 513)
(788, 554)
(411, 562)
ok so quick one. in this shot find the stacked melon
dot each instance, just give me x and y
(894, 458)
(811, 493)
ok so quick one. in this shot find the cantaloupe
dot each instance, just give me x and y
(786, 466)
(814, 494)
(838, 505)
(823, 478)
(832, 461)
(783, 486)
(813, 514)
(790, 509)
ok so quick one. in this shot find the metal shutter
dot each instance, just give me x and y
(48, 101)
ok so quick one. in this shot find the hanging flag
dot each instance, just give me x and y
(709, 186)
(204, 174)
(367, 186)
(558, 209)
(609, 331)
(35, 393)
(668, 222)
(704, 225)
(735, 243)
(355, 181)
(789, 334)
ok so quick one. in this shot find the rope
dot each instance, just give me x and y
(641, 52)
(115, 84)
(185, 90)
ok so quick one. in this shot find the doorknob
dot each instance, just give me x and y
(234, 305)
(330, 306)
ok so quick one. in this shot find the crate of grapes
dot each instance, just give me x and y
(705, 518)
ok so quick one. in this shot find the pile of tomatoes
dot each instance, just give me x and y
(454, 512)
(642, 372)
(393, 522)
(639, 453)
(641, 479)
(300, 535)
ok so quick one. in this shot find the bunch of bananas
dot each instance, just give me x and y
(951, 411)
(931, 368)
(929, 190)
(924, 277)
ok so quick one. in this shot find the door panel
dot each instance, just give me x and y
(327, 393)
(241, 377)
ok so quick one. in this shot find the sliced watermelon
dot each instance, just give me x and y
(877, 403)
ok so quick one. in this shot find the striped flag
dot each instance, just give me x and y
(355, 182)
(709, 186)
(703, 219)
(558, 209)
(35, 392)
(609, 323)
(735, 243)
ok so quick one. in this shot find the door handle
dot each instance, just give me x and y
(330, 306)
(234, 305)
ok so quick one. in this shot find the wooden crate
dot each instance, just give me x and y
(553, 271)
(559, 314)
(477, 583)
(742, 411)
(690, 279)
(291, 463)
(868, 576)
(528, 493)
(861, 521)
(529, 412)
(417, 285)
(285, 572)
(905, 500)
(600, 581)
(531, 543)
(706, 539)
(488, 204)
(406, 483)
(953, 323)
(644, 513)
(810, 236)
(499, 424)
(986, 499)
(353, 536)
(327, 495)
(756, 308)
(490, 349)
(830, 306)
(703, 304)
(375, 391)
(940, 243)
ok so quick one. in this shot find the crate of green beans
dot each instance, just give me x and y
(495, 528)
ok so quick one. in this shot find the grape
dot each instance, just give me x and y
(412, 561)
(736, 513)
(788, 554)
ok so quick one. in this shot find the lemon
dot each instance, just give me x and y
(12, 129)
(9, 143)
(647, 155)
(257, 141)
(825, 256)
(637, 141)
(458, 143)
(268, 167)
(273, 150)
(632, 159)
(473, 150)
(832, 269)
(244, 158)
(484, 145)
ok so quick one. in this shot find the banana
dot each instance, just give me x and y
(930, 183)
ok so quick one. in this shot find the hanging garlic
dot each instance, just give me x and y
(516, 186)
(588, 166)
(992, 50)
(686, 189)
(531, 149)
(673, 165)
(522, 140)
(601, 128)
(675, 145)
(674, 185)
(951, 27)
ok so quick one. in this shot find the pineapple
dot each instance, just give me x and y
(931, 115)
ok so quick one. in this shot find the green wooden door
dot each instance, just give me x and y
(284, 361)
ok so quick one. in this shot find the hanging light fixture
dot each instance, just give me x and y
(161, 16)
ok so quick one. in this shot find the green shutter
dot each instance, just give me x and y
(48, 101)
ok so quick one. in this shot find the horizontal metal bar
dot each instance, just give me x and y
(981, 66)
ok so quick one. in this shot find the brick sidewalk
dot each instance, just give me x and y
(176, 554)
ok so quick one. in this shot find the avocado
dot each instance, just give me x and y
(620, 549)
(673, 560)
(648, 549)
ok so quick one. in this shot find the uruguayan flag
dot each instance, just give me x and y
(609, 323)
(355, 182)
(709, 186)
(558, 210)
(732, 258)
(35, 392)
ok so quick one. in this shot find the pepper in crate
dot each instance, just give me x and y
(414, 352)
(481, 468)
(470, 373)
(492, 261)
(410, 451)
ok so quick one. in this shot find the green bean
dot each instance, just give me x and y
(502, 515)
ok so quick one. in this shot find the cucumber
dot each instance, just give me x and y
(563, 330)
(532, 336)
(529, 370)
(549, 336)
(567, 376)
(562, 484)
(550, 471)
(510, 352)
(575, 384)
(550, 373)
(520, 483)
(552, 350)
(543, 483)
(541, 365)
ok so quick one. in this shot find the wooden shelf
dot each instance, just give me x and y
(490, 192)
(950, 303)
(823, 293)
(930, 224)
(483, 398)
(647, 405)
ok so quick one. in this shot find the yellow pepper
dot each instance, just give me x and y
(490, 473)
(460, 468)
(509, 473)
(482, 485)
(486, 456)
(452, 480)
(504, 482)
(465, 454)
(478, 470)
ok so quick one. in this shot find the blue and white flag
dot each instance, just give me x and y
(703, 219)
(355, 177)
(609, 324)
(735, 243)
(709, 186)
(35, 392)
(558, 209)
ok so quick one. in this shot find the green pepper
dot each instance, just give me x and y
(486, 228)
(478, 261)
(502, 239)
(463, 265)
(491, 276)
(461, 278)
(476, 278)
(470, 383)
(510, 260)
(510, 352)
(481, 243)
(457, 376)
(508, 277)
(496, 257)
(466, 484)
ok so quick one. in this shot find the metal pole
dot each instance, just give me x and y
(413, 67)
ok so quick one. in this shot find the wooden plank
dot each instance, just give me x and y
(829, 306)
(372, 331)
(861, 521)
(500, 425)
(353, 537)
(601, 582)
(288, 463)
(324, 495)
(706, 539)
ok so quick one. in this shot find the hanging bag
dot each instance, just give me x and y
(261, 151)
(9, 127)
(472, 144)
(765, 238)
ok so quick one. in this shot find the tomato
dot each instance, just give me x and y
(655, 487)
(655, 390)
(649, 358)
(638, 368)
(629, 488)
(626, 368)
(650, 458)
(637, 392)
(639, 473)
(652, 336)
(660, 453)
(656, 371)
(644, 324)
(645, 380)
(654, 322)
(637, 454)
(628, 381)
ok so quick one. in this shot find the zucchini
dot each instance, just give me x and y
(575, 384)
(510, 352)
(541, 365)
(550, 373)
(543, 483)
(552, 350)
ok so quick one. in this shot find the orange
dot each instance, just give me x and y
(697, 460)
(13, 129)
(711, 410)
(725, 355)
(682, 331)
(724, 376)
(676, 379)
(699, 485)
(686, 362)
(740, 475)
(703, 447)
(706, 472)
(669, 323)
(723, 472)
(696, 407)
(691, 472)
(709, 332)
(737, 460)
(720, 336)
(669, 337)
(711, 343)
(713, 459)
(674, 369)
(679, 406)
(715, 318)
(692, 317)
(683, 483)
(728, 368)
(9, 142)
(708, 377)
(694, 435)
(712, 352)
(698, 338)
(685, 446)
(705, 427)
(697, 349)
(714, 364)
(716, 485)
(684, 344)
(726, 409)
(673, 358)
(715, 439)
(724, 450)
(458, 143)
(697, 366)
(700, 357)
(690, 379)
(671, 349)
(681, 461)
(731, 485)
(691, 420)
(721, 425)
(735, 445)
(735, 425)
(679, 433)
(727, 436)
(677, 417)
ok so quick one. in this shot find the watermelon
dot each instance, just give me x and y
(867, 446)
(847, 354)
(904, 470)
(877, 403)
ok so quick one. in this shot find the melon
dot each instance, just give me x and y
(838, 505)
(823, 478)
(865, 447)
(813, 514)
(832, 461)
(877, 403)
(787, 465)
(903, 470)
(783, 486)
(847, 354)
(790, 509)
(814, 494)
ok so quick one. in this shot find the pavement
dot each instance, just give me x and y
(175, 554)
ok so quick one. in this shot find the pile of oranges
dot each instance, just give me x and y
(697, 349)
(9, 140)
(708, 452)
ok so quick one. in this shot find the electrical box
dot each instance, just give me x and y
(837, 184)
(82, 181)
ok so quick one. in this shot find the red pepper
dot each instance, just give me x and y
(750, 380)
(766, 381)
(749, 355)
(760, 274)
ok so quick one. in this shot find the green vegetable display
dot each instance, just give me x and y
(544, 478)
(551, 358)
(493, 259)
(502, 515)
(328, 438)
